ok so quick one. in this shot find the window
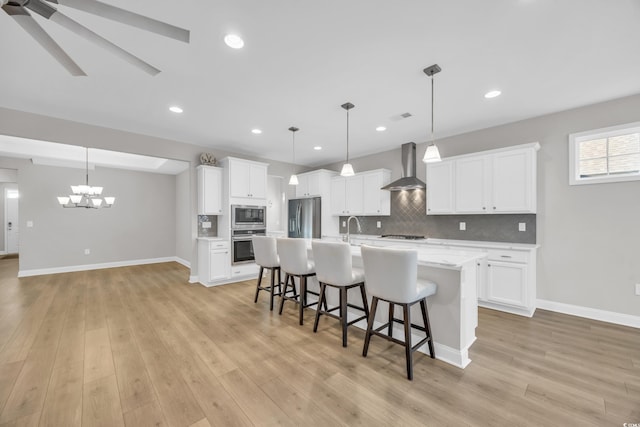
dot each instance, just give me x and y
(605, 155)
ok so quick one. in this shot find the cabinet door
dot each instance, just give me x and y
(440, 188)
(507, 283)
(513, 182)
(212, 191)
(303, 185)
(219, 264)
(471, 185)
(240, 179)
(481, 278)
(354, 198)
(376, 201)
(314, 187)
(258, 181)
(338, 196)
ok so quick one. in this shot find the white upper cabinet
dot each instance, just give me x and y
(247, 179)
(496, 181)
(310, 184)
(472, 185)
(361, 194)
(440, 188)
(513, 176)
(376, 201)
(209, 190)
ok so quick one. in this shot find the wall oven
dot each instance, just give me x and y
(242, 246)
(244, 217)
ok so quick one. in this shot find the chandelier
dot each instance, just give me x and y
(85, 196)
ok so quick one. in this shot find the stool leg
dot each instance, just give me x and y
(365, 303)
(279, 281)
(367, 336)
(258, 285)
(391, 309)
(272, 289)
(427, 326)
(321, 298)
(407, 339)
(282, 297)
(303, 297)
(343, 314)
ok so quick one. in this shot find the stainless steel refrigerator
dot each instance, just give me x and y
(304, 218)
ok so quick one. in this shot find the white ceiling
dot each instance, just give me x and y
(303, 59)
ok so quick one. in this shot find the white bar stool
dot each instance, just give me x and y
(391, 275)
(295, 263)
(266, 255)
(334, 268)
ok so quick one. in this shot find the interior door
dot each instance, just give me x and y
(11, 220)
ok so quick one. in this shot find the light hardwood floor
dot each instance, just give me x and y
(140, 346)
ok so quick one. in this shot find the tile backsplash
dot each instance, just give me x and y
(208, 232)
(408, 216)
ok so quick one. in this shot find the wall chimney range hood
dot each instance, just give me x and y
(409, 180)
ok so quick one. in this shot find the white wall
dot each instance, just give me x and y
(141, 224)
(588, 234)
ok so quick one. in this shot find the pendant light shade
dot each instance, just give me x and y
(347, 168)
(432, 154)
(294, 178)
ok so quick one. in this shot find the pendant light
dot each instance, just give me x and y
(432, 154)
(347, 169)
(294, 178)
(85, 196)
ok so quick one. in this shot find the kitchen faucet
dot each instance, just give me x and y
(349, 227)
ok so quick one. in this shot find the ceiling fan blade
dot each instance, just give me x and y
(26, 21)
(56, 16)
(124, 16)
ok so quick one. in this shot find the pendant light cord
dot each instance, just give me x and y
(432, 139)
(87, 165)
(347, 135)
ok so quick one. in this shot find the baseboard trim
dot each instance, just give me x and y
(590, 313)
(193, 279)
(182, 261)
(86, 267)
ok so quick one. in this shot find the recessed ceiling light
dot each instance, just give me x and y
(381, 128)
(317, 148)
(234, 41)
(256, 131)
(492, 94)
(175, 109)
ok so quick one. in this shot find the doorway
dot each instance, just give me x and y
(11, 236)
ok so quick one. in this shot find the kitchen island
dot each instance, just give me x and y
(453, 310)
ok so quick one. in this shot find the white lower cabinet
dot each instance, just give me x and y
(214, 261)
(507, 283)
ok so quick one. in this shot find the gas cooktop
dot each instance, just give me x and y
(402, 236)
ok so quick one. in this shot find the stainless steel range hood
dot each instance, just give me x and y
(409, 180)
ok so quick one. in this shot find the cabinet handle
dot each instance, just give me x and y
(494, 207)
(429, 209)
(488, 265)
(505, 256)
(484, 208)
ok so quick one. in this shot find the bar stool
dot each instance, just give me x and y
(391, 275)
(295, 263)
(266, 255)
(334, 268)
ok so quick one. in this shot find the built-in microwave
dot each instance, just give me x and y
(243, 217)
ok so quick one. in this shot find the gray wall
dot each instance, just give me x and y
(588, 234)
(34, 126)
(183, 216)
(141, 224)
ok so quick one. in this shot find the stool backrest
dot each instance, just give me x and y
(390, 274)
(265, 251)
(293, 255)
(333, 262)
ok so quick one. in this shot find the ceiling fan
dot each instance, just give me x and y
(19, 11)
